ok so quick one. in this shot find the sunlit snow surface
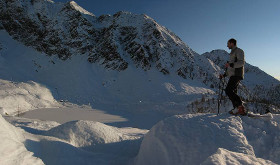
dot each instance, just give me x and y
(183, 139)
(212, 139)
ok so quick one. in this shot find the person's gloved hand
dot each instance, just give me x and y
(229, 65)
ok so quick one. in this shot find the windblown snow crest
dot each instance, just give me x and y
(211, 139)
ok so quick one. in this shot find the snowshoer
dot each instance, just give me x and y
(235, 72)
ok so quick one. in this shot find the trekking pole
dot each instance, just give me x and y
(219, 96)
(222, 80)
(221, 91)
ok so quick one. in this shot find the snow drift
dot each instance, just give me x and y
(89, 133)
(21, 97)
(85, 133)
(120, 144)
(109, 145)
(211, 139)
(225, 157)
(12, 150)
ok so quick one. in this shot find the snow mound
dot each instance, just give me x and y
(12, 150)
(21, 97)
(31, 124)
(87, 133)
(223, 156)
(198, 138)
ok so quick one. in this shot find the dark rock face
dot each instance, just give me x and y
(48, 32)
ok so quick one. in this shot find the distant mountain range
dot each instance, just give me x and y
(124, 59)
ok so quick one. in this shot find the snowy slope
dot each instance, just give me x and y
(12, 150)
(20, 97)
(81, 82)
(211, 139)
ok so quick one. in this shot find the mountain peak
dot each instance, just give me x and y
(218, 51)
(75, 6)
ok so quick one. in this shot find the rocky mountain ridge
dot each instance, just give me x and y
(60, 29)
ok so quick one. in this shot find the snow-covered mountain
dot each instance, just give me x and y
(126, 60)
(104, 59)
(79, 81)
(65, 29)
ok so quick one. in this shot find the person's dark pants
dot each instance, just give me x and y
(231, 90)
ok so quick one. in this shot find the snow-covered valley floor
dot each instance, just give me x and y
(74, 142)
(182, 139)
(57, 133)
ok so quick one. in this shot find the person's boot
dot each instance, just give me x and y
(234, 111)
(241, 110)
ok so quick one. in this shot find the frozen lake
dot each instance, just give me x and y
(65, 114)
(116, 117)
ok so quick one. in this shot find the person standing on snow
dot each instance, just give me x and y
(235, 72)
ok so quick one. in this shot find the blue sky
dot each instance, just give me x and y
(206, 25)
